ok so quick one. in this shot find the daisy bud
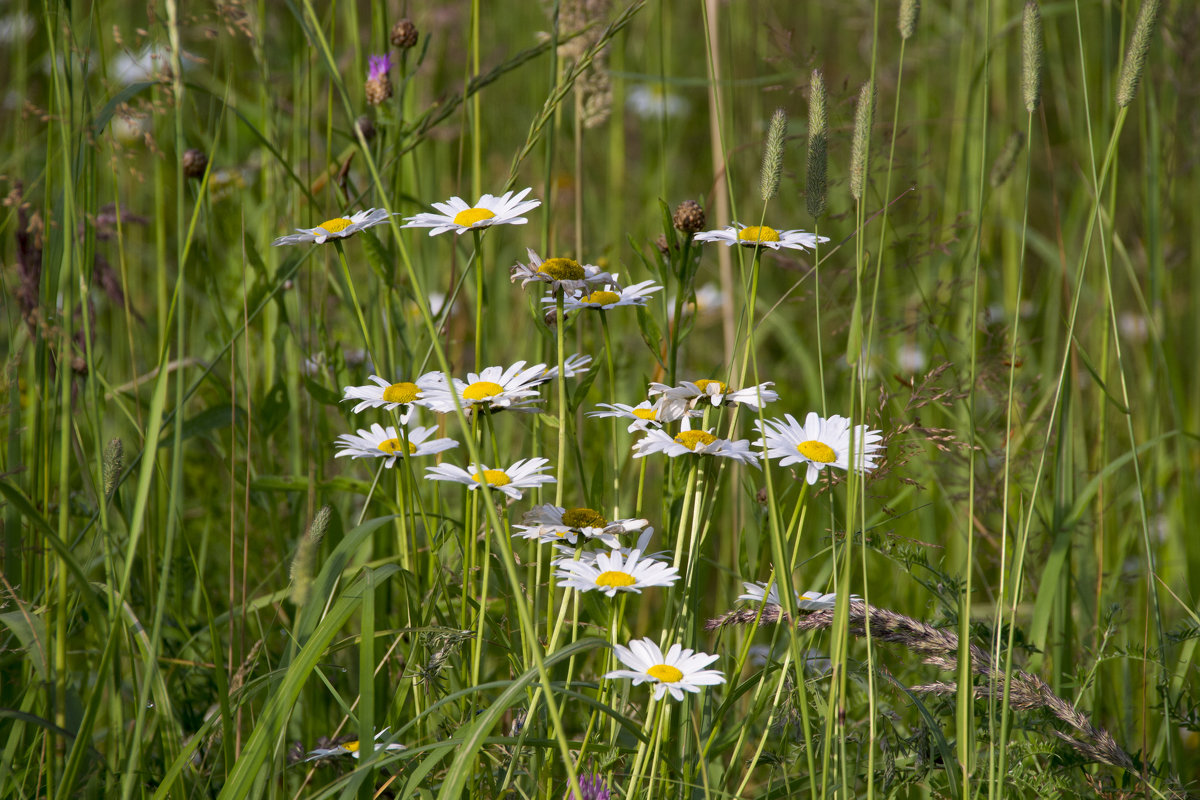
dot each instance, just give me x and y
(379, 85)
(404, 34)
(194, 163)
(689, 217)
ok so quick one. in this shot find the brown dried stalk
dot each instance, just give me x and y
(939, 647)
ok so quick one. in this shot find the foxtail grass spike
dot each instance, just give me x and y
(1135, 56)
(1031, 55)
(772, 165)
(114, 462)
(910, 11)
(864, 112)
(818, 139)
(1007, 159)
(306, 556)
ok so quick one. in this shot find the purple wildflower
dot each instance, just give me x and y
(379, 66)
(592, 788)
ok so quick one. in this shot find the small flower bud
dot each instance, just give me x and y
(194, 163)
(689, 217)
(404, 34)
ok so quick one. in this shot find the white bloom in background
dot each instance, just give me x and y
(761, 235)
(459, 217)
(352, 748)
(385, 395)
(551, 523)
(561, 274)
(381, 442)
(524, 474)
(608, 297)
(679, 670)
(614, 572)
(811, 600)
(336, 228)
(645, 414)
(493, 389)
(652, 101)
(699, 442)
(709, 300)
(819, 443)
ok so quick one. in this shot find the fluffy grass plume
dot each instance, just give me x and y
(1135, 55)
(818, 141)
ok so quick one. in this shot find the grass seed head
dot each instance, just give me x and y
(1031, 55)
(772, 166)
(910, 11)
(861, 141)
(818, 139)
(1135, 56)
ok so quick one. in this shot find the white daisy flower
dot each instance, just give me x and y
(818, 443)
(381, 442)
(336, 228)
(811, 600)
(386, 395)
(550, 523)
(524, 474)
(590, 556)
(573, 366)
(493, 389)
(459, 217)
(689, 394)
(700, 442)
(756, 235)
(680, 670)
(614, 572)
(652, 101)
(352, 748)
(564, 274)
(608, 297)
(644, 415)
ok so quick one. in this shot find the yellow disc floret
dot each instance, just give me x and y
(693, 440)
(471, 216)
(335, 225)
(401, 393)
(351, 747)
(614, 578)
(602, 298)
(482, 390)
(562, 269)
(583, 518)
(648, 414)
(817, 451)
(704, 383)
(493, 477)
(758, 234)
(390, 446)
(665, 673)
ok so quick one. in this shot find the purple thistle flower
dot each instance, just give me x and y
(379, 66)
(592, 788)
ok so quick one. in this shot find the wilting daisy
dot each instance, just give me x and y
(608, 297)
(352, 748)
(386, 395)
(645, 415)
(811, 600)
(336, 228)
(756, 235)
(565, 274)
(690, 394)
(459, 217)
(700, 442)
(819, 443)
(550, 523)
(614, 572)
(573, 365)
(493, 389)
(680, 670)
(381, 442)
(524, 474)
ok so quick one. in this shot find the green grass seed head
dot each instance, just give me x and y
(303, 565)
(1007, 159)
(910, 11)
(772, 165)
(1135, 55)
(1031, 55)
(818, 139)
(113, 462)
(861, 141)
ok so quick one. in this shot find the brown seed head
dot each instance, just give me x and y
(194, 163)
(689, 217)
(404, 34)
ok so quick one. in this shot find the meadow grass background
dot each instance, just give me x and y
(1010, 300)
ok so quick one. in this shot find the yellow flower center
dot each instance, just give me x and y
(817, 451)
(562, 269)
(614, 578)
(493, 477)
(648, 414)
(704, 383)
(482, 390)
(693, 440)
(471, 216)
(390, 446)
(335, 225)
(351, 747)
(602, 298)
(758, 234)
(665, 673)
(583, 518)
(401, 393)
